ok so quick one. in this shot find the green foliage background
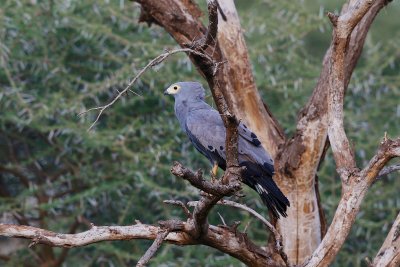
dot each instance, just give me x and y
(59, 58)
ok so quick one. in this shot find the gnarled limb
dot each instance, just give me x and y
(93, 235)
(235, 244)
(343, 27)
(197, 180)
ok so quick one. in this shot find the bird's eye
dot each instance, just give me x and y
(175, 87)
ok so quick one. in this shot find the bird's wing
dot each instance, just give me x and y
(259, 159)
(247, 134)
(207, 133)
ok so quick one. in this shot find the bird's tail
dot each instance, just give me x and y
(272, 196)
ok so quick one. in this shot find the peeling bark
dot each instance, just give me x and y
(248, 104)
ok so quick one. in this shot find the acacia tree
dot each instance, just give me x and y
(219, 52)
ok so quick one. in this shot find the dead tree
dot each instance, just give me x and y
(302, 239)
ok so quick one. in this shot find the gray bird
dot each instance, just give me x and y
(205, 129)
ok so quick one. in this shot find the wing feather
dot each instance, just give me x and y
(207, 133)
(248, 135)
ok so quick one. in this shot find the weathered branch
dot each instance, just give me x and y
(388, 149)
(235, 244)
(166, 228)
(201, 210)
(197, 180)
(343, 27)
(277, 235)
(93, 235)
(355, 182)
(211, 37)
(389, 253)
(248, 105)
(153, 248)
(387, 170)
(179, 204)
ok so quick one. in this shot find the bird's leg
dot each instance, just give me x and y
(214, 172)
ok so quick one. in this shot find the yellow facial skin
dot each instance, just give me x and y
(173, 89)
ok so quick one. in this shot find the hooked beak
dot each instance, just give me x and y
(165, 92)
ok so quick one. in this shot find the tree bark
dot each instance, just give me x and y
(389, 254)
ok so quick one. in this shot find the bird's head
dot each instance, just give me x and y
(186, 90)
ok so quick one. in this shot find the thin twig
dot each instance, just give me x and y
(161, 235)
(157, 60)
(252, 212)
(385, 171)
(222, 218)
(180, 204)
(212, 28)
(247, 226)
(277, 235)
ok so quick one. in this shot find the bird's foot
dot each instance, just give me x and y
(214, 172)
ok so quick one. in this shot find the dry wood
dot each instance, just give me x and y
(166, 228)
(93, 235)
(197, 180)
(153, 248)
(233, 243)
(387, 170)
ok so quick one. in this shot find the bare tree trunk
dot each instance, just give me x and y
(248, 104)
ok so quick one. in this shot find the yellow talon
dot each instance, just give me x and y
(214, 171)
